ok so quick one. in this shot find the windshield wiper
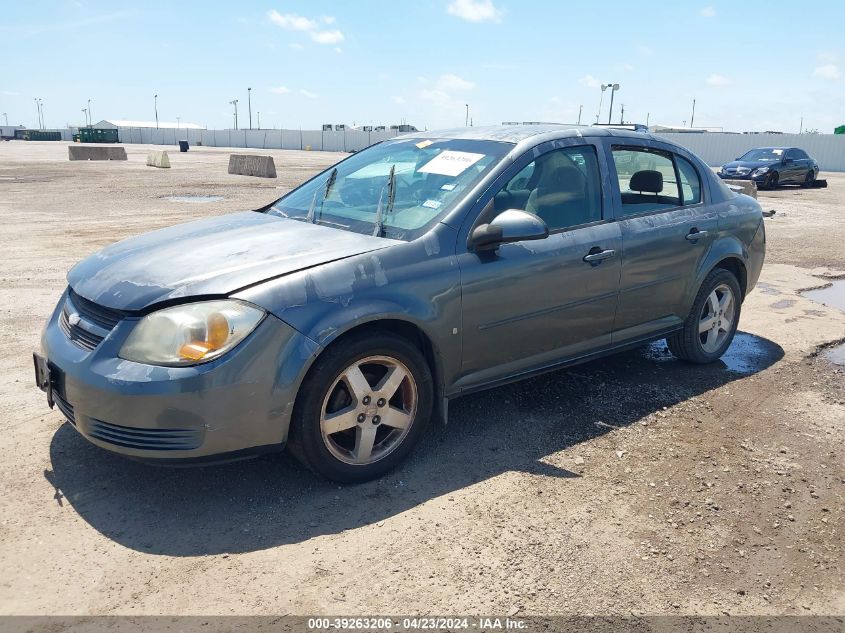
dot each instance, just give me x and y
(328, 188)
(378, 229)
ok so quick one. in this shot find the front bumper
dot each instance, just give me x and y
(234, 404)
(757, 178)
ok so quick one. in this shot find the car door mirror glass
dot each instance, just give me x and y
(513, 225)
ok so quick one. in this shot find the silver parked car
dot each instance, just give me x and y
(343, 317)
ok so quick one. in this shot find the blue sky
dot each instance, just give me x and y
(749, 65)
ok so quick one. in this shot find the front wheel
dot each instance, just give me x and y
(712, 321)
(772, 181)
(362, 408)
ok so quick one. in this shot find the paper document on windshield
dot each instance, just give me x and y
(450, 163)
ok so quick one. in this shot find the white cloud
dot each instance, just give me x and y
(827, 71)
(475, 10)
(719, 81)
(589, 81)
(280, 90)
(307, 93)
(11, 93)
(828, 57)
(338, 50)
(327, 37)
(294, 22)
(450, 82)
(708, 12)
(291, 21)
(397, 99)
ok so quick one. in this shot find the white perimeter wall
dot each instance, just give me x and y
(716, 149)
(343, 141)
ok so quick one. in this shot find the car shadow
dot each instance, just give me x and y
(258, 504)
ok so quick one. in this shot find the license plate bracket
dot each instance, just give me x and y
(43, 377)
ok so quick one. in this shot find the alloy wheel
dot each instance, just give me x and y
(368, 410)
(717, 318)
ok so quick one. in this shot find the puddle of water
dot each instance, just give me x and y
(193, 199)
(834, 297)
(747, 354)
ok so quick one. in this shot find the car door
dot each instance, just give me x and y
(531, 304)
(667, 229)
(792, 170)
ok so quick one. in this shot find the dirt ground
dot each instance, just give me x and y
(630, 485)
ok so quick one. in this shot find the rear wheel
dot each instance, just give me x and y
(362, 408)
(712, 321)
(809, 179)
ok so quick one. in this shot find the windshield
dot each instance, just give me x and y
(360, 195)
(769, 155)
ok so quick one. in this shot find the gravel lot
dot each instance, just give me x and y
(634, 484)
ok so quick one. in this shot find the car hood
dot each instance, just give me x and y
(749, 164)
(211, 257)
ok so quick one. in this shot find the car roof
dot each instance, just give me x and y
(751, 150)
(518, 133)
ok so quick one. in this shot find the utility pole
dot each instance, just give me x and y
(647, 116)
(6, 116)
(234, 102)
(800, 129)
(259, 119)
(249, 103)
(692, 118)
(580, 109)
(155, 102)
(90, 115)
(466, 122)
(622, 117)
(601, 100)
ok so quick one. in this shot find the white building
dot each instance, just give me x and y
(112, 124)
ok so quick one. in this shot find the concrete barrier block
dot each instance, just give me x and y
(158, 159)
(748, 187)
(96, 152)
(249, 165)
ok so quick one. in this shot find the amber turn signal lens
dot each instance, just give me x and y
(217, 330)
(194, 351)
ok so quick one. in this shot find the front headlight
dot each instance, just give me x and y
(190, 334)
(759, 170)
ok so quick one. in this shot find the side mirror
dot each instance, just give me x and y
(513, 225)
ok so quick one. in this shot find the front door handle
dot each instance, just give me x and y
(596, 255)
(694, 235)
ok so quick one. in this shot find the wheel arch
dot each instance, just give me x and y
(729, 254)
(404, 328)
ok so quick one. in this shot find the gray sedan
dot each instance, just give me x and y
(342, 318)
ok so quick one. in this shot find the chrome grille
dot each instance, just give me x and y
(145, 439)
(85, 323)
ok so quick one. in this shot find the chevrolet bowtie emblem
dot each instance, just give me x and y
(73, 318)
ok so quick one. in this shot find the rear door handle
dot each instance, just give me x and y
(695, 235)
(597, 256)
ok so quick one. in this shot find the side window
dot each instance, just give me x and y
(562, 187)
(801, 154)
(646, 180)
(690, 182)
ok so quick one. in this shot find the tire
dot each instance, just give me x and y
(809, 179)
(345, 429)
(696, 345)
(772, 181)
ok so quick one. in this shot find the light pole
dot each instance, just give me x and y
(6, 116)
(622, 117)
(234, 102)
(601, 100)
(90, 115)
(466, 123)
(613, 88)
(692, 118)
(259, 120)
(85, 112)
(580, 109)
(155, 104)
(249, 105)
(41, 111)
